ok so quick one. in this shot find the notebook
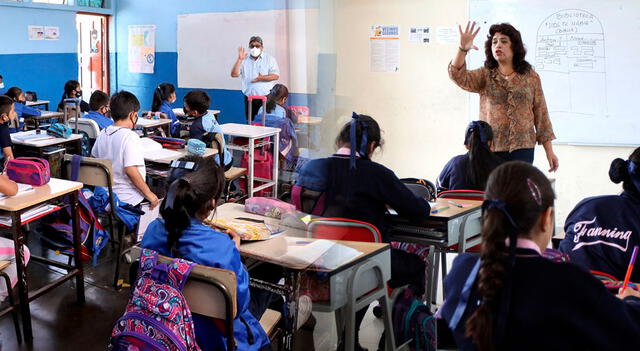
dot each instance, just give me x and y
(154, 151)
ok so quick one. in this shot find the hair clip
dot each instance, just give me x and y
(535, 191)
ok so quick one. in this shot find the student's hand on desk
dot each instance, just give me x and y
(235, 237)
(466, 37)
(242, 54)
(553, 161)
(629, 291)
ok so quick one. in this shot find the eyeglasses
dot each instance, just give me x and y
(255, 46)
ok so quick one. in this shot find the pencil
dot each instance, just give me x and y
(630, 268)
(455, 203)
(437, 210)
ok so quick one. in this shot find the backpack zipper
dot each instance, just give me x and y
(164, 329)
(115, 342)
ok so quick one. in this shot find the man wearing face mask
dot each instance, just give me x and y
(258, 71)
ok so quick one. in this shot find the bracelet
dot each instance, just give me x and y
(463, 50)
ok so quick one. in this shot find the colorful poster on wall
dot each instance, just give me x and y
(142, 48)
(51, 33)
(420, 35)
(384, 48)
(36, 32)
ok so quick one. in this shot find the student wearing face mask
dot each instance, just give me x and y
(22, 110)
(163, 96)
(72, 90)
(258, 71)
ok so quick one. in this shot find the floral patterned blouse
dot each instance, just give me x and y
(515, 108)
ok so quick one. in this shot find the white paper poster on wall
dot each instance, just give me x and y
(36, 32)
(142, 48)
(420, 35)
(51, 33)
(384, 48)
(448, 35)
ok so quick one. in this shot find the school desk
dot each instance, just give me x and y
(453, 229)
(44, 116)
(356, 275)
(264, 137)
(17, 205)
(150, 124)
(39, 147)
(44, 103)
(179, 112)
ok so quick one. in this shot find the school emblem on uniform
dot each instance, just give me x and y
(586, 235)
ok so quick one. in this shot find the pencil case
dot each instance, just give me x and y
(29, 170)
(170, 143)
(269, 207)
(59, 130)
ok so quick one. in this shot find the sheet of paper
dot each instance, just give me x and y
(384, 48)
(419, 35)
(149, 216)
(22, 189)
(36, 32)
(51, 33)
(305, 252)
(160, 154)
(142, 46)
(448, 35)
(149, 144)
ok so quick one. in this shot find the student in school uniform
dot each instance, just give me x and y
(471, 170)
(205, 126)
(7, 114)
(601, 231)
(99, 105)
(72, 90)
(120, 144)
(358, 188)
(3, 90)
(181, 233)
(276, 104)
(21, 109)
(7, 253)
(511, 298)
(163, 96)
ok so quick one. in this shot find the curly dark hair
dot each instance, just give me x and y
(520, 65)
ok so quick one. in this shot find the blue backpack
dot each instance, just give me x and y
(412, 320)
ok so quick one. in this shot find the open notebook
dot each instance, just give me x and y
(154, 151)
(22, 189)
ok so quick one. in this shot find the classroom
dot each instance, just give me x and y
(319, 175)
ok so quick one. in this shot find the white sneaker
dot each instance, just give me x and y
(304, 309)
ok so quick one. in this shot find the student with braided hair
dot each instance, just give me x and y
(511, 298)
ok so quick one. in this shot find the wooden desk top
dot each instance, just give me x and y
(272, 250)
(309, 120)
(248, 131)
(41, 142)
(56, 187)
(180, 112)
(454, 211)
(180, 153)
(151, 123)
(46, 115)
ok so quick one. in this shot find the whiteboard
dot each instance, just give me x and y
(208, 47)
(586, 54)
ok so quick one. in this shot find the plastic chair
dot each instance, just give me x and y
(344, 229)
(86, 125)
(462, 194)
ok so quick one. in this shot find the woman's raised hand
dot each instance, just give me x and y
(466, 37)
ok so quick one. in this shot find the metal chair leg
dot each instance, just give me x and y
(116, 275)
(14, 311)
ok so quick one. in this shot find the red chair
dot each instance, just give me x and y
(462, 194)
(344, 229)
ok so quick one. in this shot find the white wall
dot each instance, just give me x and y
(423, 114)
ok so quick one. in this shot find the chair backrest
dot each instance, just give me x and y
(462, 194)
(93, 171)
(344, 229)
(86, 125)
(307, 201)
(209, 292)
(71, 109)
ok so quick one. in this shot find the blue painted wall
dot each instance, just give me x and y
(136, 12)
(38, 65)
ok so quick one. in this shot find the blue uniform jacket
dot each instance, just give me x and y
(203, 245)
(601, 231)
(554, 306)
(175, 123)
(102, 120)
(22, 110)
(209, 124)
(454, 175)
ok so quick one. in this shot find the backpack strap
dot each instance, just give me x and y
(296, 200)
(75, 167)
(179, 272)
(148, 260)
(318, 208)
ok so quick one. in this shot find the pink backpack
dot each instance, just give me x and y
(157, 315)
(29, 170)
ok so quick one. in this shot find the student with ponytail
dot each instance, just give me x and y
(601, 231)
(358, 188)
(276, 104)
(511, 298)
(471, 170)
(192, 197)
(163, 96)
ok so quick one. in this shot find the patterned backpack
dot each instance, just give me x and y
(157, 315)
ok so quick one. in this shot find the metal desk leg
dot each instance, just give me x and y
(434, 276)
(77, 247)
(21, 269)
(292, 279)
(251, 158)
(276, 159)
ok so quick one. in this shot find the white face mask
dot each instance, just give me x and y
(1, 85)
(255, 52)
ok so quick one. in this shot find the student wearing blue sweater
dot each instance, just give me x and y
(163, 96)
(205, 127)
(99, 106)
(511, 298)
(471, 170)
(601, 231)
(181, 233)
(22, 110)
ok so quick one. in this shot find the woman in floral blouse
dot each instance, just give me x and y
(511, 97)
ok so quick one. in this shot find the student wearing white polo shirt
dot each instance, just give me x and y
(258, 71)
(121, 145)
